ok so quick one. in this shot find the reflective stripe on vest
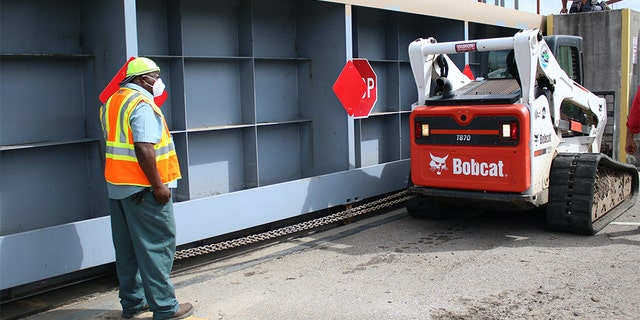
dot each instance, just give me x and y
(121, 166)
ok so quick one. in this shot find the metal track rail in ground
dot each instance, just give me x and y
(303, 226)
(100, 281)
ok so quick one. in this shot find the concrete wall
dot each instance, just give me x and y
(610, 60)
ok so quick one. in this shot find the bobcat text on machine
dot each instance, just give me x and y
(526, 135)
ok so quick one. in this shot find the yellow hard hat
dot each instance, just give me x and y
(140, 66)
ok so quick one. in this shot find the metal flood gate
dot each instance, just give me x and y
(259, 133)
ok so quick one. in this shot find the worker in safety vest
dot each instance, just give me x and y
(141, 166)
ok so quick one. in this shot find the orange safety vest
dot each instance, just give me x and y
(121, 167)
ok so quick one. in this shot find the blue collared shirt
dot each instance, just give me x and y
(147, 127)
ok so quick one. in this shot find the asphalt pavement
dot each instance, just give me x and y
(473, 265)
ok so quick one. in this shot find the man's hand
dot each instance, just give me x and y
(162, 194)
(146, 155)
(630, 146)
(564, 6)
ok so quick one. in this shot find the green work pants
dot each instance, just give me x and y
(144, 237)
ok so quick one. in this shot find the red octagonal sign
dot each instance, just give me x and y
(356, 88)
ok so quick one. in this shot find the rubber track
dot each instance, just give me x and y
(571, 192)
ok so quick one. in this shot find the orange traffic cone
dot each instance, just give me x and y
(467, 72)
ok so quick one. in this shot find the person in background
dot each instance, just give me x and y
(140, 168)
(583, 6)
(633, 124)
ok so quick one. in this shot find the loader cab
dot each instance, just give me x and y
(566, 49)
(568, 52)
(497, 66)
(493, 65)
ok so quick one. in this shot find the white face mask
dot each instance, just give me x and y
(158, 87)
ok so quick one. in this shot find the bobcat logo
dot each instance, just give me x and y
(438, 164)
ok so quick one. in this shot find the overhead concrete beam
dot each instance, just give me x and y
(464, 10)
